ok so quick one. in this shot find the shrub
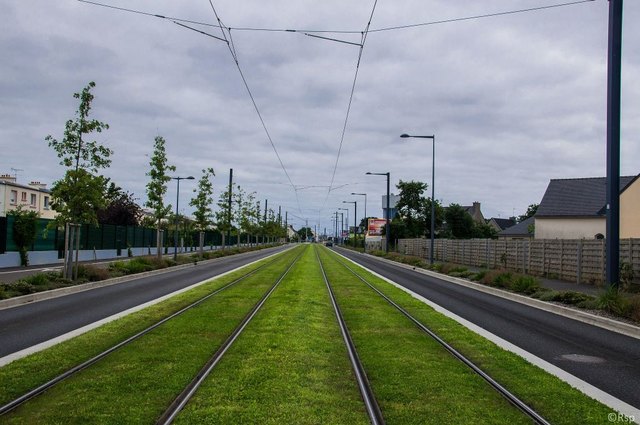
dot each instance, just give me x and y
(40, 279)
(525, 284)
(463, 274)
(448, 268)
(613, 301)
(21, 287)
(634, 308)
(479, 276)
(93, 273)
(502, 280)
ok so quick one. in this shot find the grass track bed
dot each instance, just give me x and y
(289, 366)
(554, 399)
(135, 383)
(414, 379)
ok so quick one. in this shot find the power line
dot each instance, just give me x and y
(353, 88)
(320, 31)
(232, 50)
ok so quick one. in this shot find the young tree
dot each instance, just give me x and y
(531, 211)
(225, 223)
(157, 186)
(78, 195)
(24, 231)
(459, 222)
(202, 204)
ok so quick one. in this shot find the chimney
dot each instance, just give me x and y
(38, 185)
(8, 178)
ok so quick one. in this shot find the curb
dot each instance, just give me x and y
(56, 293)
(582, 316)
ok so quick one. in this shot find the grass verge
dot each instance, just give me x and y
(289, 366)
(124, 387)
(556, 400)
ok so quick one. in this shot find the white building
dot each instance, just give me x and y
(32, 197)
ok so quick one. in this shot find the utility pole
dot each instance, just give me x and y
(264, 220)
(613, 143)
(286, 224)
(229, 207)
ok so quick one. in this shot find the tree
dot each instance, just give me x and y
(411, 208)
(24, 231)
(202, 204)
(121, 208)
(157, 186)
(305, 232)
(225, 223)
(460, 224)
(531, 211)
(78, 196)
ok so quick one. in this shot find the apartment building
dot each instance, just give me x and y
(33, 197)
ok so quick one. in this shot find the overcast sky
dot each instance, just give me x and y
(513, 100)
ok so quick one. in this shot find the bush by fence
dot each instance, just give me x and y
(581, 261)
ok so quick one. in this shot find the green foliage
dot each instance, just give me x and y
(203, 200)
(78, 197)
(613, 301)
(525, 284)
(460, 223)
(72, 149)
(157, 186)
(531, 211)
(414, 211)
(24, 231)
(626, 275)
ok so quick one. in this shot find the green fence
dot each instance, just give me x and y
(105, 236)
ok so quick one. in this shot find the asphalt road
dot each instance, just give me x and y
(613, 360)
(24, 326)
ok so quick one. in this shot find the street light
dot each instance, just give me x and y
(342, 225)
(433, 200)
(364, 241)
(355, 218)
(175, 233)
(387, 227)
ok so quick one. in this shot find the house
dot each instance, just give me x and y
(475, 213)
(576, 209)
(499, 224)
(33, 197)
(522, 230)
(393, 201)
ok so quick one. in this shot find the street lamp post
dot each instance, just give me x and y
(355, 218)
(387, 226)
(342, 225)
(433, 200)
(364, 237)
(175, 233)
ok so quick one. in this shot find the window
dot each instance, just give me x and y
(46, 203)
(13, 199)
(33, 200)
(24, 197)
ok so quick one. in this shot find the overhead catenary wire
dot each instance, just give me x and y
(330, 31)
(234, 54)
(353, 88)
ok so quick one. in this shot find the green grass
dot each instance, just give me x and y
(556, 400)
(289, 366)
(135, 383)
(414, 379)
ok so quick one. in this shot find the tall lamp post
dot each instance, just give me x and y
(342, 225)
(364, 238)
(355, 218)
(387, 226)
(433, 199)
(175, 234)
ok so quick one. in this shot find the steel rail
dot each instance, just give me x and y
(183, 398)
(47, 385)
(513, 399)
(371, 404)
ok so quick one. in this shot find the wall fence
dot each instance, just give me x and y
(575, 260)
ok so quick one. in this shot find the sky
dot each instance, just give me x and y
(513, 100)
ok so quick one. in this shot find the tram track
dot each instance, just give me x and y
(510, 397)
(35, 392)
